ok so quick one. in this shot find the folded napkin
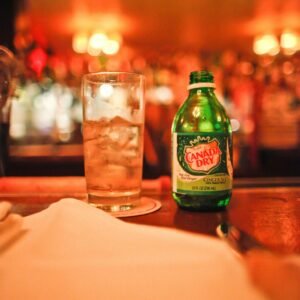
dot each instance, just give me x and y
(74, 251)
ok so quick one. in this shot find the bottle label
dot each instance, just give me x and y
(201, 163)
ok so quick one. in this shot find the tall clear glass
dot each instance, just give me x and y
(113, 134)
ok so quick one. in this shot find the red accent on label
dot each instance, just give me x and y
(203, 157)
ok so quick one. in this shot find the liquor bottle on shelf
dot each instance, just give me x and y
(202, 170)
(6, 74)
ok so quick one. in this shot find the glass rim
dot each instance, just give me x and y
(134, 77)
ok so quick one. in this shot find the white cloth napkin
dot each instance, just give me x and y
(74, 251)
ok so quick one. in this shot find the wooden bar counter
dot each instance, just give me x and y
(268, 211)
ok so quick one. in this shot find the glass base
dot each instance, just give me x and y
(114, 204)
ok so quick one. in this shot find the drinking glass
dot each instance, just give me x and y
(113, 134)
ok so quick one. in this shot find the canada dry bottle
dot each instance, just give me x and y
(201, 148)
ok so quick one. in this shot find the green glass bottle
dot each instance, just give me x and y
(201, 148)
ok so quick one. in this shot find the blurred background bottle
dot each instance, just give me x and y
(6, 71)
(202, 148)
(256, 70)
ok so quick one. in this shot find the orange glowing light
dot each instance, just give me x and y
(98, 41)
(111, 47)
(266, 44)
(80, 42)
(289, 40)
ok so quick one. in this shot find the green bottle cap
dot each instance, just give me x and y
(200, 79)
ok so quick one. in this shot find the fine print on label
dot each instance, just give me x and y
(201, 163)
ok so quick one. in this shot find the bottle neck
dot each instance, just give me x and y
(198, 85)
(201, 87)
(202, 90)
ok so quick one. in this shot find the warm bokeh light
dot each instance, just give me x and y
(266, 44)
(235, 124)
(111, 47)
(98, 41)
(287, 68)
(80, 42)
(289, 40)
